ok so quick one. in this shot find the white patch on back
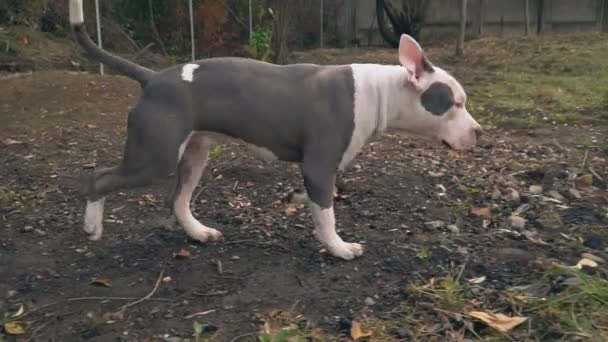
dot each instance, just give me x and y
(76, 12)
(374, 88)
(188, 72)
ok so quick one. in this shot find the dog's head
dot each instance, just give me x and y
(435, 104)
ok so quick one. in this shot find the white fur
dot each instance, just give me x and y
(376, 89)
(93, 218)
(197, 162)
(182, 147)
(386, 99)
(76, 12)
(325, 231)
(188, 72)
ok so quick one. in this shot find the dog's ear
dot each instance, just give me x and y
(413, 58)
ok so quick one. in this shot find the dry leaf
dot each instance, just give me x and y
(533, 237)
(100, 281)
(498, 321)
(477, 280)
(9, 141)
(453, 154)
(481, 212)
(289, 211)
(585, 262)
(19, 312)
(182, 253)
(356, 331)
(583, 182)
(13, 328)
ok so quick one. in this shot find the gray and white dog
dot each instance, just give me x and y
(317, 116)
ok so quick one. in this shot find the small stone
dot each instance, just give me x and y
(27, 229)
(235, 257)
(575, 194)
(550, 220)
(403, 333)
(593, 257)
(594, 242)
(452, 228)
(369, 301)
(166, 279)
(513, 196)
(496, 194)
(536, 189)
(517, 222)
(434, 224)
(555, 194)
(39, 232)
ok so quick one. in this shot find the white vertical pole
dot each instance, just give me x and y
(322, 9)
(192, 30)
(99, 42)
(250, 20)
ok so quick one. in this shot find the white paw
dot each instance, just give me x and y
(203, 233)
(346, 251)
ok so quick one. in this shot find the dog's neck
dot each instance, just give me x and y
(381, 94)
(380, 99)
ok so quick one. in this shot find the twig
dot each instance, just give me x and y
(85, 298)
(236, 338)
(558, 145)
(585, 159)
(220, 269)
(235, 185)
(198, 193)
(160, 277)
(36, 331)
(202, 313)
(596, 175)
(143, 50)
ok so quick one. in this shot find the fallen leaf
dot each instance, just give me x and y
(182, 253)
(477, 280)
(19, 312)
(356, 331)
(533, 237)
(481, 212)
(9, 141)
(289, 211)
(585, 262)
(100, 281)
(498, 321)
(583, 182)
(13, 328)
(453, 154)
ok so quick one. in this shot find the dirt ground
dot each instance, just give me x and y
(415, 207)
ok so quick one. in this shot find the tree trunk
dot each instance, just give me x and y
(480, 18)
(527, 16)
(540, 16)
(601, 13)
(463, 28)
(154, 29)
(280, 30)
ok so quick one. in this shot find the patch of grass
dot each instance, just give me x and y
(282, 326)
(215, 152)
(445, 292)
(579, 307)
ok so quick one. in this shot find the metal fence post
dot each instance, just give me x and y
(99, 40)
(192, 30)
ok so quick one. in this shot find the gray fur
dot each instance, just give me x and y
(438, 98)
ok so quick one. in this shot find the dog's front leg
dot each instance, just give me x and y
(319, 182)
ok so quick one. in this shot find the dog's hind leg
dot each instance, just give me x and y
(150, 155)
(190, 169)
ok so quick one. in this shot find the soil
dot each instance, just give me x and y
(59, 124)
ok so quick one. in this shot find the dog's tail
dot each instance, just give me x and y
(125, 67)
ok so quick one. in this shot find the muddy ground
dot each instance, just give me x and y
(58, 124)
